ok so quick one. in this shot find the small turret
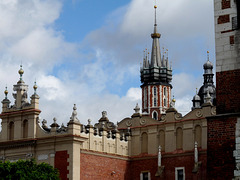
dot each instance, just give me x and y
(21, 92)
(5, 102)
(35, 97)
(208, 85)
(196, 101)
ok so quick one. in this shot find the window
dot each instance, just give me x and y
(165, 102)
(11, 130)
(238, 14)
(154, 96)
(145, 175)
(179, 173)
(145, 97)
(144, 147)
(179, 138)
(155, 115)
(155, 91)
(155, 101)
(165, 97)
(25, 128)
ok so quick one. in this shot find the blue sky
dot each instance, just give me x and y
(89, 52)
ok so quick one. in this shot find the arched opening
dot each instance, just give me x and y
(198, 135)
(162, 139)
(179, 138)
(154, 96)
(155, 115)
(11, 130)
(25, 128)
(145, 97)
(144, 145)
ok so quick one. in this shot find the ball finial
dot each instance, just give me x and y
(6, 91)
(155, 6)
(21, 71)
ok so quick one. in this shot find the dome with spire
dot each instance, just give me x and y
(208, 65)
(208, 85)
(196, 98)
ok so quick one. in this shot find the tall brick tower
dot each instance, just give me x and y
(156, 76)
(222, 127)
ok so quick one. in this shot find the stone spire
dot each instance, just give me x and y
(156, 55)
(157, 71)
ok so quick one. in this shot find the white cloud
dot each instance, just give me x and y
(135, 94)
(27, 34)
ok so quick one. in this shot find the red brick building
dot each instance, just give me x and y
(222, 127)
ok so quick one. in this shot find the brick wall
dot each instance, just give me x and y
(170, 161)
(61, 163)
(226, 4)
(221, 144)
(223, 19)
(228, 91)
(100, 167)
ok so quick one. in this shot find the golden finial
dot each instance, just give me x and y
(207, 51)
(155, 6)
(173, 100)
(6, 92)
(196, 90)
(20, 70)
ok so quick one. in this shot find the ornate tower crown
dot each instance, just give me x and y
(156, 76)
(157, 71)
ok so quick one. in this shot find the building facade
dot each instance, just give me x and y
(158, 143)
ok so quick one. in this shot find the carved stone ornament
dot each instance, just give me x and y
(199, 113)
(129, 123)
(142, 121)
(178, 116)
(213, 111)
(163, 118)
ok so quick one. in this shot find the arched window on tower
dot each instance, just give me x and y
(164, 96)
(179, 138)
(25, 128)
(154, 96)
(11, 130)
(198, 135)
(162, 139)
(155, 115)
(145, 97)
(144, 144)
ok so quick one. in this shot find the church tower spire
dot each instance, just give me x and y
(155, 78)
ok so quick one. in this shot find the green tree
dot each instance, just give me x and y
(28, 169)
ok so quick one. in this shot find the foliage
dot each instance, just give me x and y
(28, 169)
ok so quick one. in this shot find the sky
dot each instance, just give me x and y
(88, 53)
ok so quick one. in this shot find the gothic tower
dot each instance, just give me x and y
(156, 76)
